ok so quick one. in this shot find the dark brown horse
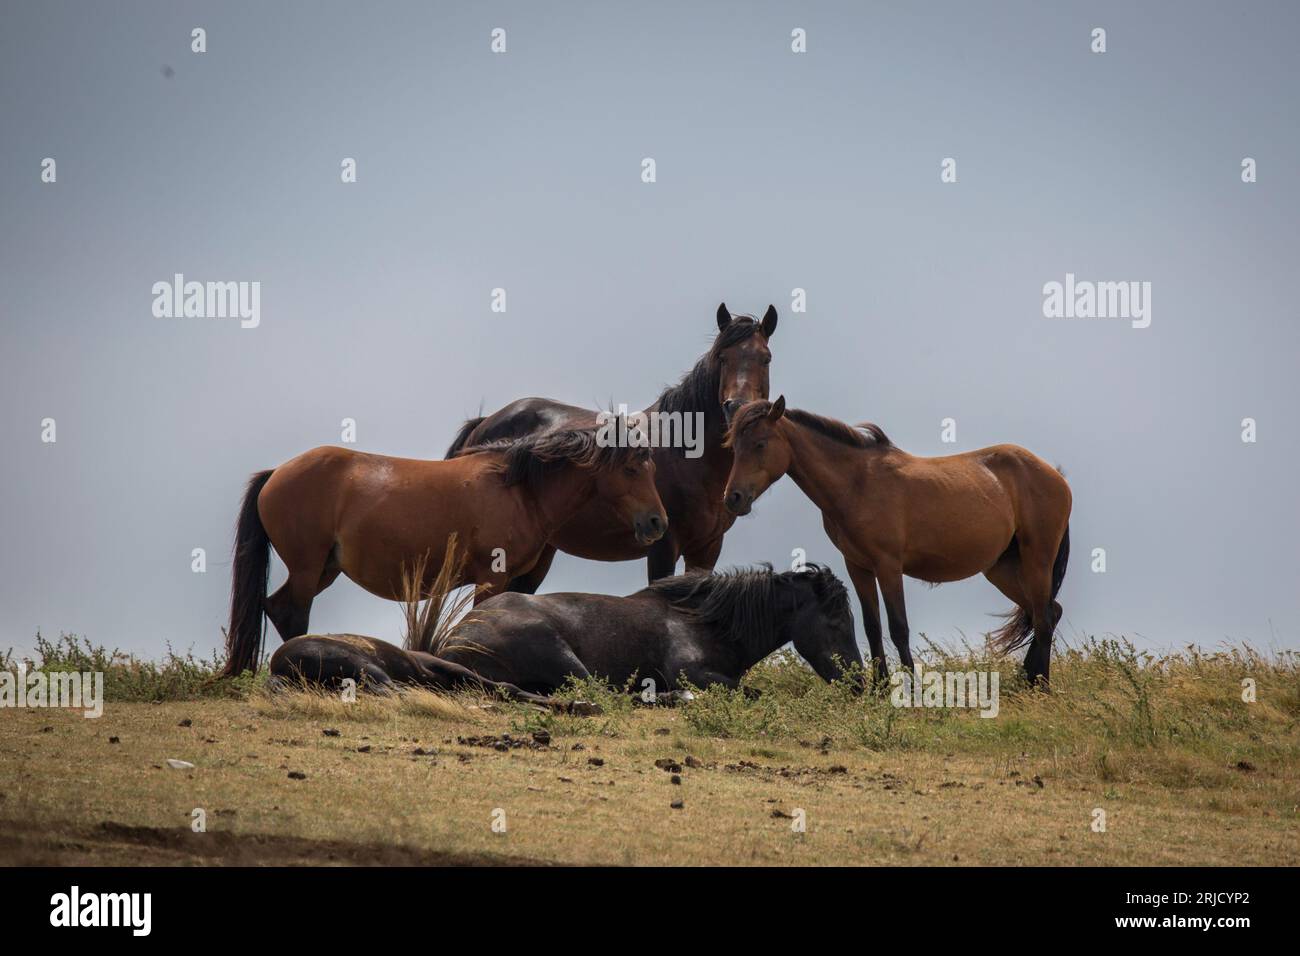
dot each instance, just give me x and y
(332, 511)
(1000, 511)
(734, 371)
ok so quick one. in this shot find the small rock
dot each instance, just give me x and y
(669, 764)
(692, 762)
(596, 761)
(46, 730)
(677, 804)
(1245, 766)
(179, 764)
(780, 814)
(662, 731)
(542, 737)
(114, 740)
(676, 779)
(364, 749)
(837, 768)
(297, 775)
(186, 723)
(1038, 781)
(330, 732)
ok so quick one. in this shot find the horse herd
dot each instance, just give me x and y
(539, 476)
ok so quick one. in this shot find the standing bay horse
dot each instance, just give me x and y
(1001, 511)
(332, 510)
(733, 372)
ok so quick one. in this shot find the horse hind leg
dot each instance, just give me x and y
(289, 608)
(1044, 612)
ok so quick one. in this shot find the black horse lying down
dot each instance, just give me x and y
(707, 628)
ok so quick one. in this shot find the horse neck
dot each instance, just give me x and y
(757, 645)
(560, 494)
(715, 457)
(825, 470)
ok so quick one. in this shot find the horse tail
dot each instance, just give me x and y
(1062, 559)
(462, 436)
(1019, 627)
(252, 565)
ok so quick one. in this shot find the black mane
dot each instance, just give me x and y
(698, 389)
(528, 460)
(864, 435)
(741, 604)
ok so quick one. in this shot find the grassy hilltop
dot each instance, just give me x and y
(1183, 769)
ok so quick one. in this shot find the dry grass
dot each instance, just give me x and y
(1186, 772)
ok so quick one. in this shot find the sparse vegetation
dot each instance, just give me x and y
(1187, 770)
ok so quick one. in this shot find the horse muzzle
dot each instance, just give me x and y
(650, 527)
(739, 502)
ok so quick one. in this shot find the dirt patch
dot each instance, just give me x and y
(117, 844)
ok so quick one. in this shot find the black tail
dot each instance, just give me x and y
(1019, 628)
(462, 436)
(252, 564)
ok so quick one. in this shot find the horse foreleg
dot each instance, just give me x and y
(662, 559)
(529, 583)
(704, 558)
(864, 582)
(891, 589)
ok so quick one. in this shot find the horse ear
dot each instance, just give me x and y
(724, 317)
(769, 321)
(777, 409)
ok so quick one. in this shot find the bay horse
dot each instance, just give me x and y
(708, 628)
(333, 510)
(1001, 511)
(733, 372)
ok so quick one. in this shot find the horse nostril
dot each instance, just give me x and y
(656, 524)
(731, 406)
(734, 499)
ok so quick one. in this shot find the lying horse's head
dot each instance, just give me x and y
(757, 610)
(819, 622)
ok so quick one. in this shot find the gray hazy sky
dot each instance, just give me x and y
(775, 171)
